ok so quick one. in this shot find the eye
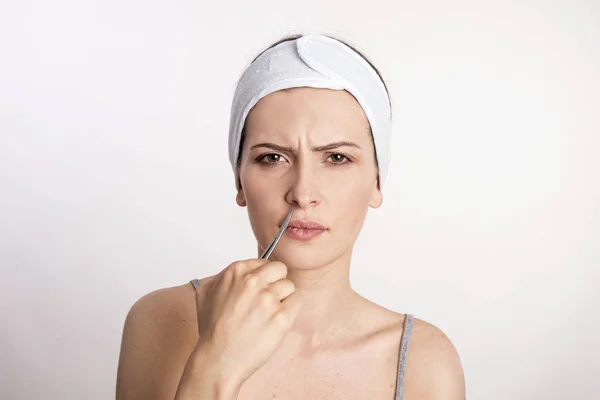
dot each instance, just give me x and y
(271, 158)
(338, 158)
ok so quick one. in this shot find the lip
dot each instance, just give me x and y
(301, 224)
(304, 230)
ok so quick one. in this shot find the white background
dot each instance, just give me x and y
(114, 177)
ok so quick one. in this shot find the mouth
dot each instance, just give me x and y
(304, 230)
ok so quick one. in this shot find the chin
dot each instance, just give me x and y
(305, 258)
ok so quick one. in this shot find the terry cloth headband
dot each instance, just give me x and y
(319, 62)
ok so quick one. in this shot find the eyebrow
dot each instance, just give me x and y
(330, 146)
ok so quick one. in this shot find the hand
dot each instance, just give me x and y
(244, 313)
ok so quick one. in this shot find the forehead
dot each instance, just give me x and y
(321, 113)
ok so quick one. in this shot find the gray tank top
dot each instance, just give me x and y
(402, 357)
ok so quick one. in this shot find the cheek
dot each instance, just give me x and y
(349, 200)
(258, 187)
(263, 197)
(354, 186)
(346, 188)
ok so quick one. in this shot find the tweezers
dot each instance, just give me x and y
(270, 248)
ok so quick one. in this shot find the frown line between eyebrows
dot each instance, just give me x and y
(327, 147)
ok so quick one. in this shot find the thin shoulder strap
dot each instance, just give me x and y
(195, 283)
(406, 334)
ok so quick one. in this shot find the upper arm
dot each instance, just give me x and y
(434, 369)
(158, 336)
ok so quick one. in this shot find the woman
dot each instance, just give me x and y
(309, 130)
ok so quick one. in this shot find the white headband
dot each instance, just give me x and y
(318, 62)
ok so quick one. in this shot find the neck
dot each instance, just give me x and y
(328, 303)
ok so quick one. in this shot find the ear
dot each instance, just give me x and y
(240, 199)
(376, 196)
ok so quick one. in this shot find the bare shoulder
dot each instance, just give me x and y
(158, 335)
(163, 307)
(434, 370)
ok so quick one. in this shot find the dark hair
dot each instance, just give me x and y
(287, 39)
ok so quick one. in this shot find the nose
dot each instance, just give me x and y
(303, 191)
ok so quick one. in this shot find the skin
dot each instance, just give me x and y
(334, 187)
(312, 335)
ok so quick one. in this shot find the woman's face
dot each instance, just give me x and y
(311, 149)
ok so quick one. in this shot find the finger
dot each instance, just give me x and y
(245, 266)
(282, 288)
(255, 263)
(238, 270)
(290, 307)
(271, 272)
